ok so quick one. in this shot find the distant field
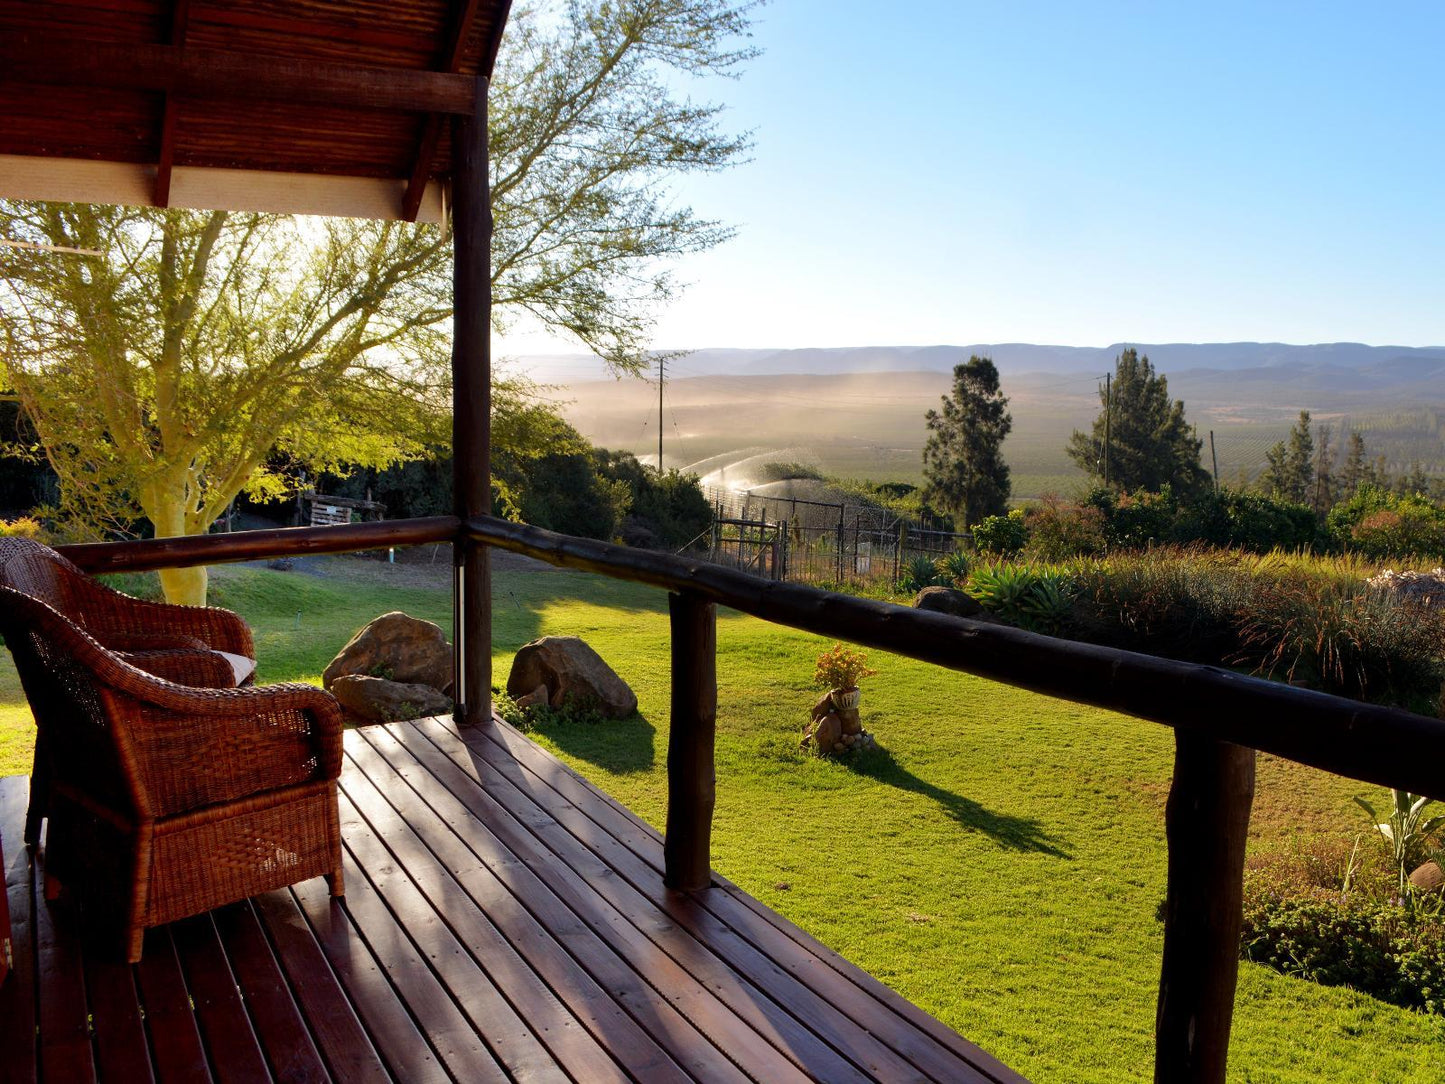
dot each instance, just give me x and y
(871, 425)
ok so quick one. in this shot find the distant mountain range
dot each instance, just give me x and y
(1394, 364)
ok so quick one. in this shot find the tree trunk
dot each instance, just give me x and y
(183, 586)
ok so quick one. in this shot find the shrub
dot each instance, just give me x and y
(918, 573)
(1390, 951)
(1383, 524)
(954, 567)
(1059, 530)
(22, 527)
(1336, 636)
(1002, 536)
(1331, 912)
(1037, 600)
(1247, 521)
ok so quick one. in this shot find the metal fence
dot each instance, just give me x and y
(817, 542)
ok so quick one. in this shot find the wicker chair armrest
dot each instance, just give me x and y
(201, 668)
(198, 747)
(113, 615)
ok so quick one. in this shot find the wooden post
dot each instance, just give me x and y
(1207, 825)
(691, 775)
(472, 408)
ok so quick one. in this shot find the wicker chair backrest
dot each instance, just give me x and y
(38, 571)
(56, 661)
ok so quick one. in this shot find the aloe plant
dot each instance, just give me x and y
(1408, 831)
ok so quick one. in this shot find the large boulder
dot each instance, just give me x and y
(1428, 877)
(376, 700)
(573, 672)
(947, 600)
(398, 647)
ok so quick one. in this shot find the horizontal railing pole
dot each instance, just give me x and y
(149, 554)
(1388, 746)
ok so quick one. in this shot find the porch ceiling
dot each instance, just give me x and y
(307, 106)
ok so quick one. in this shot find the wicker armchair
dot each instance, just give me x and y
(178, 643)
(167, 799)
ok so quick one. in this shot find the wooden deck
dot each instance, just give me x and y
(504, 920)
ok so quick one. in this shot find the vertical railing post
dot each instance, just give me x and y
(691, 773)
(1206, 823)
(472, 409)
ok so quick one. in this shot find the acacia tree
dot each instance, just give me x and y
(1149, 442)
(162, 373)
(963, 463)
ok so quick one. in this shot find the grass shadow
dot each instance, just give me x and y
(619, 746)
(1014, 833)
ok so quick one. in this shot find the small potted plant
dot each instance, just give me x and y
(840, 669)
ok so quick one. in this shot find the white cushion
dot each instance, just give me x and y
(241, 666)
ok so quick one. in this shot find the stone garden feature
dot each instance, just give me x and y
(835, 725)
(571, 672)
(396, 667)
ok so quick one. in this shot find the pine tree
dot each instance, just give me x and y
(1356, 471)
(1150, 444)
(962, 461)
(1323, 486)
(1289, 468)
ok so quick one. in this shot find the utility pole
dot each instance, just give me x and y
(1214, 456)
(661, 376)
(1108, 419)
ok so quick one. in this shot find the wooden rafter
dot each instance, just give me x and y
(431, 130)
(180, 15)
(206, 73)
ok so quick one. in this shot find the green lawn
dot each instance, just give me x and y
(1001, 864)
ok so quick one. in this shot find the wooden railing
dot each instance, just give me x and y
(1220, 718)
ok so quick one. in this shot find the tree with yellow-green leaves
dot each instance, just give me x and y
(164, 372)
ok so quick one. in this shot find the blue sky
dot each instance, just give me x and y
(933, 172)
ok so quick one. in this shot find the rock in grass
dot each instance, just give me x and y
(376, 700)
(1428, 877)
(398, 647)
(574, 673)
(947, 600)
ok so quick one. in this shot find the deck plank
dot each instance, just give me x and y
(342, 1040)
(719, 974)
(460, 1049)
(176, 1050)
(651, 1004)
(121, 1048)
(398, 1037)
(440, 880)
(504, 920)
(17, 993)
(614, 833)
(65, 1048)
(494, 1021)
(284, 1038)
(235, 1051)
(535, 921)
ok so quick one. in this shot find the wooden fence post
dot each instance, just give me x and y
(691, 773)
(472, 411)
(1206, 823)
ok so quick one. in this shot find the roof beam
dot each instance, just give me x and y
(432, 126)
(205, 73)
(180, 15)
